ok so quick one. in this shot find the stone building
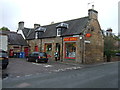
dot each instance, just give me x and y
(15, 43)
(78, 40)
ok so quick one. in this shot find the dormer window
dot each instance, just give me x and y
(58, 31)
(41, 29)
(39, 32)
(36, 35)
(62, 25)
(61, 28)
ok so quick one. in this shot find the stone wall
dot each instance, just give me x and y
(85, 52)
(41, 45)
(94, 50)
(33, 43)
(53, 41)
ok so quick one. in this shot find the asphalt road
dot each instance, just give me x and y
(19, 67)
(100, 76)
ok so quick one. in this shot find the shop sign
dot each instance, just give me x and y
(87, 41)
(70, 39)
(75, 35)
(88, 35)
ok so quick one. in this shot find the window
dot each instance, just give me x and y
(70, 50)
(48, 49)
(58, 31)
(36, 35)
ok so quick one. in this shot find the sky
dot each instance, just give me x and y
(44, 12)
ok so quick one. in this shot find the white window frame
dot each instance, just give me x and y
(36, 35)
(58, 31)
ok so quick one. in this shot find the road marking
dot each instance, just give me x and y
(17, 76)
(36, 63)
(44, 65)
(71, 68)
(28, 75)
(47, 66)
(22, 85)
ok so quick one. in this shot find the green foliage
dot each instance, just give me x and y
(117, 38)
(4, 29)
(109, 47)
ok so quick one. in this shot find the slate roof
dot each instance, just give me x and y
(15, 39)
(76, 26)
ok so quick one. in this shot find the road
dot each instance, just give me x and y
(19, 67)
(100, 76)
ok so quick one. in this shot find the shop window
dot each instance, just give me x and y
(48, 49)
(70, 50)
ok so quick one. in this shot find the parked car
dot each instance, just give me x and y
(37, 57)
(117, 54)
(4, 61)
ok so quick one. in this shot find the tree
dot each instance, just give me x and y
(4, 29)
(109, 46)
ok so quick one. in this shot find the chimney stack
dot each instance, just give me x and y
(21, 25)
(93, 14)
(36, 26)
(109, 30)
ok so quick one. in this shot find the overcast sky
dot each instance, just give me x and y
(44, 12)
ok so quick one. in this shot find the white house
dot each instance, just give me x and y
(3, 41)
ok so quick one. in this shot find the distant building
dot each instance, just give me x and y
(3, 41)
(78, 40)
(15, 43)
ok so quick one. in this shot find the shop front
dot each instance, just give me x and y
(70, 48)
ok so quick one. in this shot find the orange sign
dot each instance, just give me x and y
(70, 39)
(88, 35)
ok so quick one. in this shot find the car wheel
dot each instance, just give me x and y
(36, 61)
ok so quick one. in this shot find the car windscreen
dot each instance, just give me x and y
(42, 54)
(35, 54)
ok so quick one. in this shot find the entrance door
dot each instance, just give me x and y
(58, 50)
(11, 53)
(26, 51)
(36, 48)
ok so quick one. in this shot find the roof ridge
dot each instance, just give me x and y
(64, 21)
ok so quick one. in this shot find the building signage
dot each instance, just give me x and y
(70, 39)
(88, 35)
(87, 41)
(76, 35)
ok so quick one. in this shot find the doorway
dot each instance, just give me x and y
(58, 50)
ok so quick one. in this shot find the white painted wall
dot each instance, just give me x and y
(4, 42)
(20, 32)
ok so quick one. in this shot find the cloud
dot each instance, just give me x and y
(46, 11)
